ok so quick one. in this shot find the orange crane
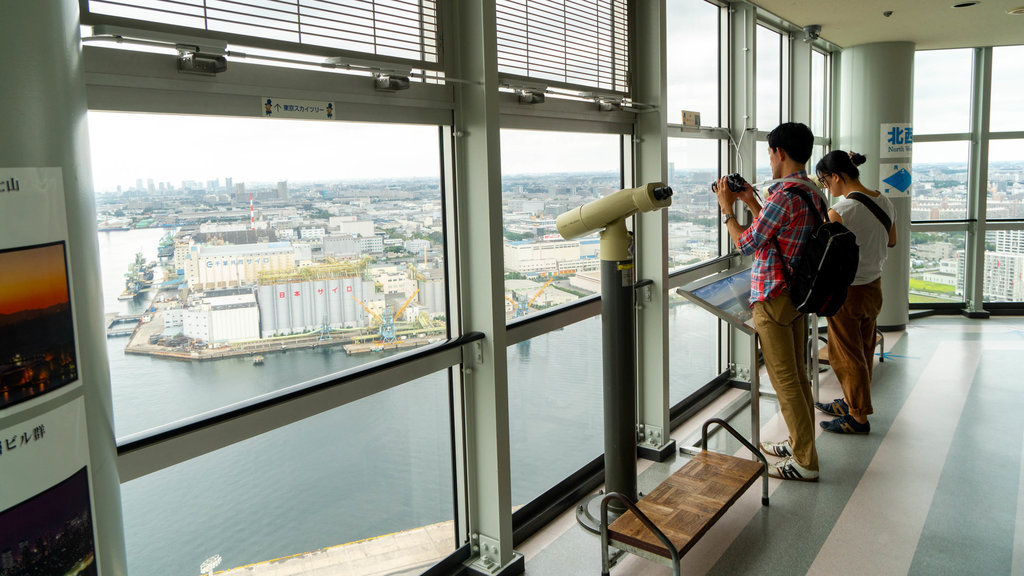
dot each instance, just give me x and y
(522, 305)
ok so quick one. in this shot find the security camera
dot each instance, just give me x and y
(599, 213)
(812, 32)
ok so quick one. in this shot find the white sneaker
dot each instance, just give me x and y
(788, 469)
(780, 449)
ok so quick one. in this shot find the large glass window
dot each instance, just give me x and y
(240, 256)
(769, 78)
(1007, 110)
(819, 93)
(1005, 179)
(693, 342)
(555, 407)
(693, 43)
(694, 215)
(543, 175)
(937, 267)
(940, 180)
(942, 92)
(368, 485)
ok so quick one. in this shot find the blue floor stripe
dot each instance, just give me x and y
(970, 525)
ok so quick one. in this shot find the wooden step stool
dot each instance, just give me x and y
(667, 522)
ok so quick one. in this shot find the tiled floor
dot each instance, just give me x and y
(934, 489)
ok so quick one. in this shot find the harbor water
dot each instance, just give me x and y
(380, 465)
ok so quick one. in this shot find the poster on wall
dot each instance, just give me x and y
(37, 332)
(896, 147)
(46, 514)
(38, 351)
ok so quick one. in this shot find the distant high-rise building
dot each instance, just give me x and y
(227, 182)
(138, 183)
(240, 189)
(150, 185)
(282, 190)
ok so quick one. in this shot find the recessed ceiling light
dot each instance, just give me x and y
(965, 4)
(1018, 11)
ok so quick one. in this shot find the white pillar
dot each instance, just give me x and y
(43, 124)
(875, 88)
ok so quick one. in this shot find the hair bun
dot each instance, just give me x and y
(857, 159)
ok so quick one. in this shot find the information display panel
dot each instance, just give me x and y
(724, 295)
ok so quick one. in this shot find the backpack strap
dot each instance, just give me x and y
(787, 273)
(875, 209)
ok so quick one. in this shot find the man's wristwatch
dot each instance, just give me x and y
(727, 217)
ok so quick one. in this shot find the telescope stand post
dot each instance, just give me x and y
(618, 346)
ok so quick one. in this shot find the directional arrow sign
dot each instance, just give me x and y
(896, 180)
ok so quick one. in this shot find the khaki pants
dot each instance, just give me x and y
(783, 344)
(851, 344)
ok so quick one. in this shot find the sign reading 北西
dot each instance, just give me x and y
(897, 141)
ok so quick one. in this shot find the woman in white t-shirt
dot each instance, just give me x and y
(851, 331)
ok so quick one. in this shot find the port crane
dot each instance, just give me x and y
(521, 306)
(387, 321)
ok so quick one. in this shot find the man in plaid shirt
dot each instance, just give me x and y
(786, 218)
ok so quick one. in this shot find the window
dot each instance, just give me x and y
(1007, 112)
(693, 340)
(937, 267)
(391, 28)
(273, 255)
(1005, 180)
(693, 218)
(819, 94)
(693, 45)
(568, 42)
(543, 175)
(555, 407)
(769, 78)
(942, 91)
(940, 184)
(370, 480)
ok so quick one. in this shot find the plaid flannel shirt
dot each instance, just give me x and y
(785, 217)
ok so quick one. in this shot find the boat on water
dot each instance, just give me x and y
(257, 360)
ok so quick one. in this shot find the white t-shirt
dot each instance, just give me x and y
(872, 237)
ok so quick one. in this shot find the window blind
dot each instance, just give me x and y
(578, 43)
(405, 29)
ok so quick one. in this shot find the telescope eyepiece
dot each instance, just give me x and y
(662, 193)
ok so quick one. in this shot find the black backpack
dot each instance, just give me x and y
(825, 266)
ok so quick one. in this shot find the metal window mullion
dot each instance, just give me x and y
(977, 172)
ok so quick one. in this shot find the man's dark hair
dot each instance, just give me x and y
(793, 137)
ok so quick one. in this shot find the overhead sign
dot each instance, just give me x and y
(897, 141)
(289, 108)
(896, 180)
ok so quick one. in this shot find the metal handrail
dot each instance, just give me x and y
(605, 568)
(748, 445)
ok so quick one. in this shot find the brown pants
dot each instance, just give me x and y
(851, 344)
(782, 330)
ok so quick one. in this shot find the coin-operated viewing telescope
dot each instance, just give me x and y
(610, 212)
(608, 215)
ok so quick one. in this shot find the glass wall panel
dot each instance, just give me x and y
(556, 407)
(764, 167)
(274, 253)
(819, 94)
(769, 78)
(692, 53)
(693, 218)
(939, 190)
(937, 266)
(1005, 179)
(942, 91)
(693, 342)
(542, 175)
(1007, 112)
(370, 482)
(1004, 265)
